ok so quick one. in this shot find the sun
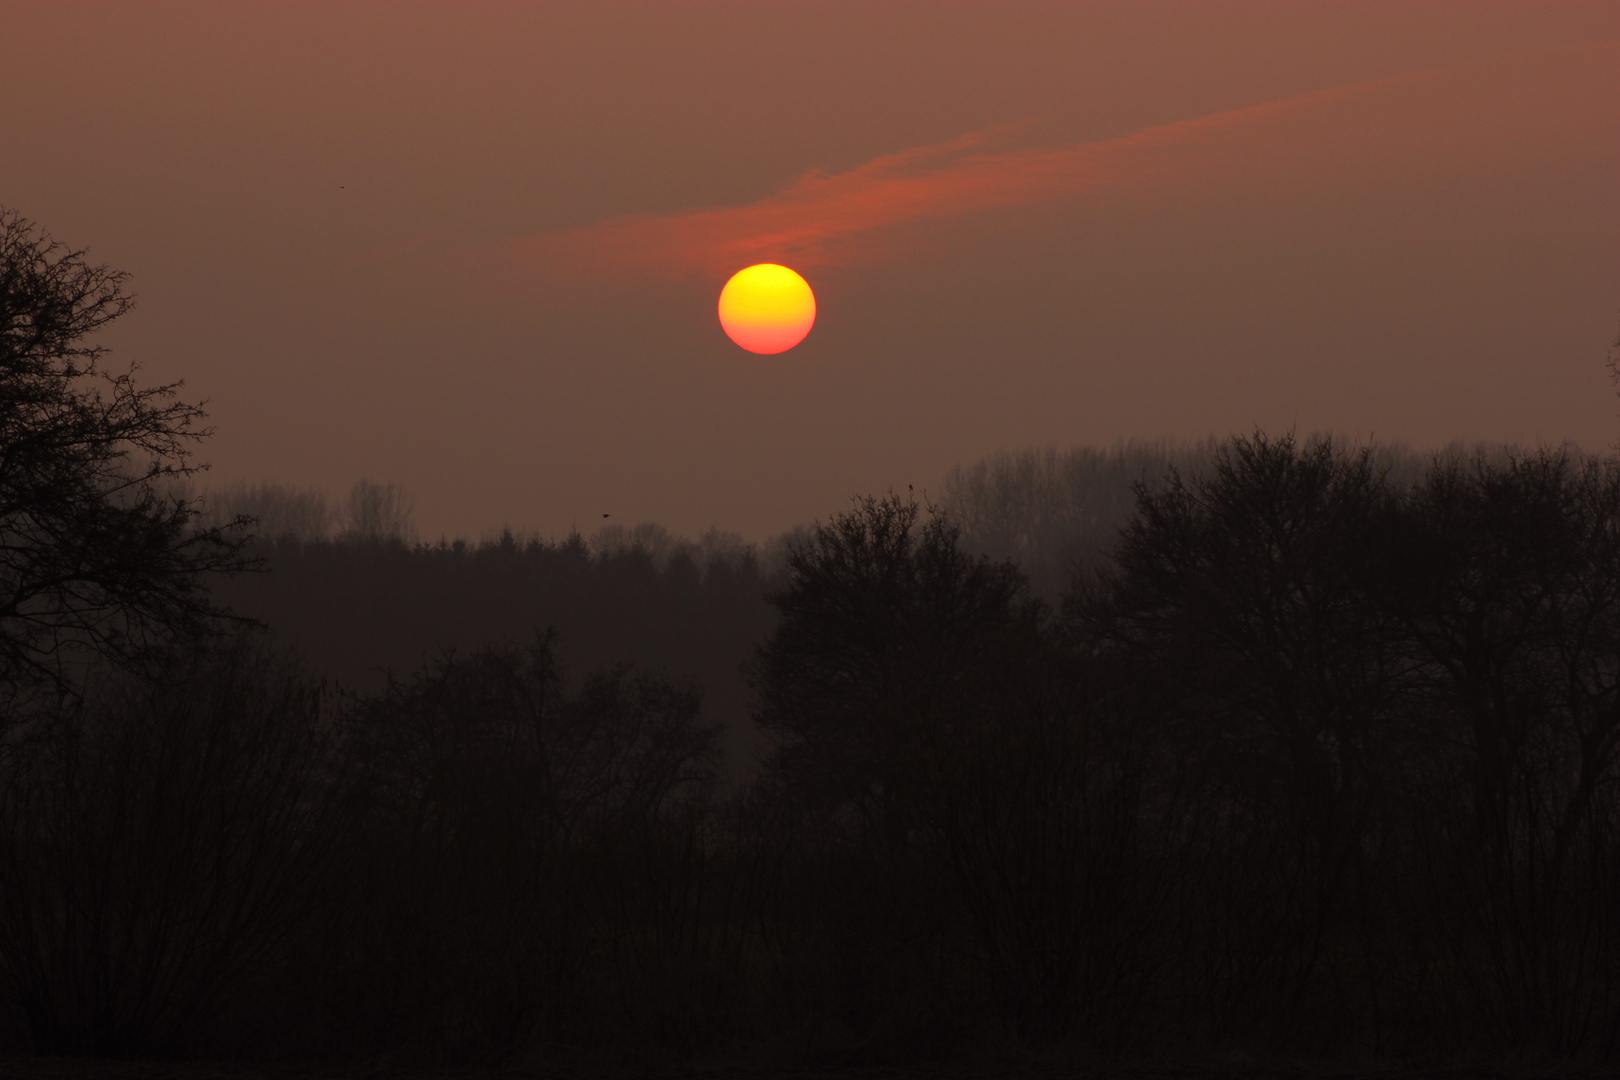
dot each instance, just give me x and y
(767, 308)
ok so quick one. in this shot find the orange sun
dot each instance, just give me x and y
(767, 308)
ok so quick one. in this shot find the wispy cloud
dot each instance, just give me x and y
(829, 218)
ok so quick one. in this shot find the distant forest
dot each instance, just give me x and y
(357, 594)
(1256, 747)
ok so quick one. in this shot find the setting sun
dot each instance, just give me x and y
(767, 308)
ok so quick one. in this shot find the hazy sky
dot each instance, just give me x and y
(476, 247)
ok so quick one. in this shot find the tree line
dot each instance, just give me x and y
(1319, 761)
(1322, 764)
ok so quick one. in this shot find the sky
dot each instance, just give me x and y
(475, 248)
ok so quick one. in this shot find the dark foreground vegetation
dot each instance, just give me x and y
(357, 608)
(1324, 765)
(1318, 759)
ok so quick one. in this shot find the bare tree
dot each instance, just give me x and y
(379, 512)
(278, 511)
(96, 550)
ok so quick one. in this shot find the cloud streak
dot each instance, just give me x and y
(827, 218)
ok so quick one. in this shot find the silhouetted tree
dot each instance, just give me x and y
(971, 819)
(1251, 598)
(161, 839)
(1056, 513)
(93, 552)
(512, 833)
(1510, 593)
(887, 628)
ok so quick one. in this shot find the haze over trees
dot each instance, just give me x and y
(1317, 757)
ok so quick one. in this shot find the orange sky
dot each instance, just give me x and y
(821, 218)
(475, 248)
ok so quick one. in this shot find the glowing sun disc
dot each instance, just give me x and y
(767, 308)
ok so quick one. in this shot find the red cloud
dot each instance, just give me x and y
(819, 218)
